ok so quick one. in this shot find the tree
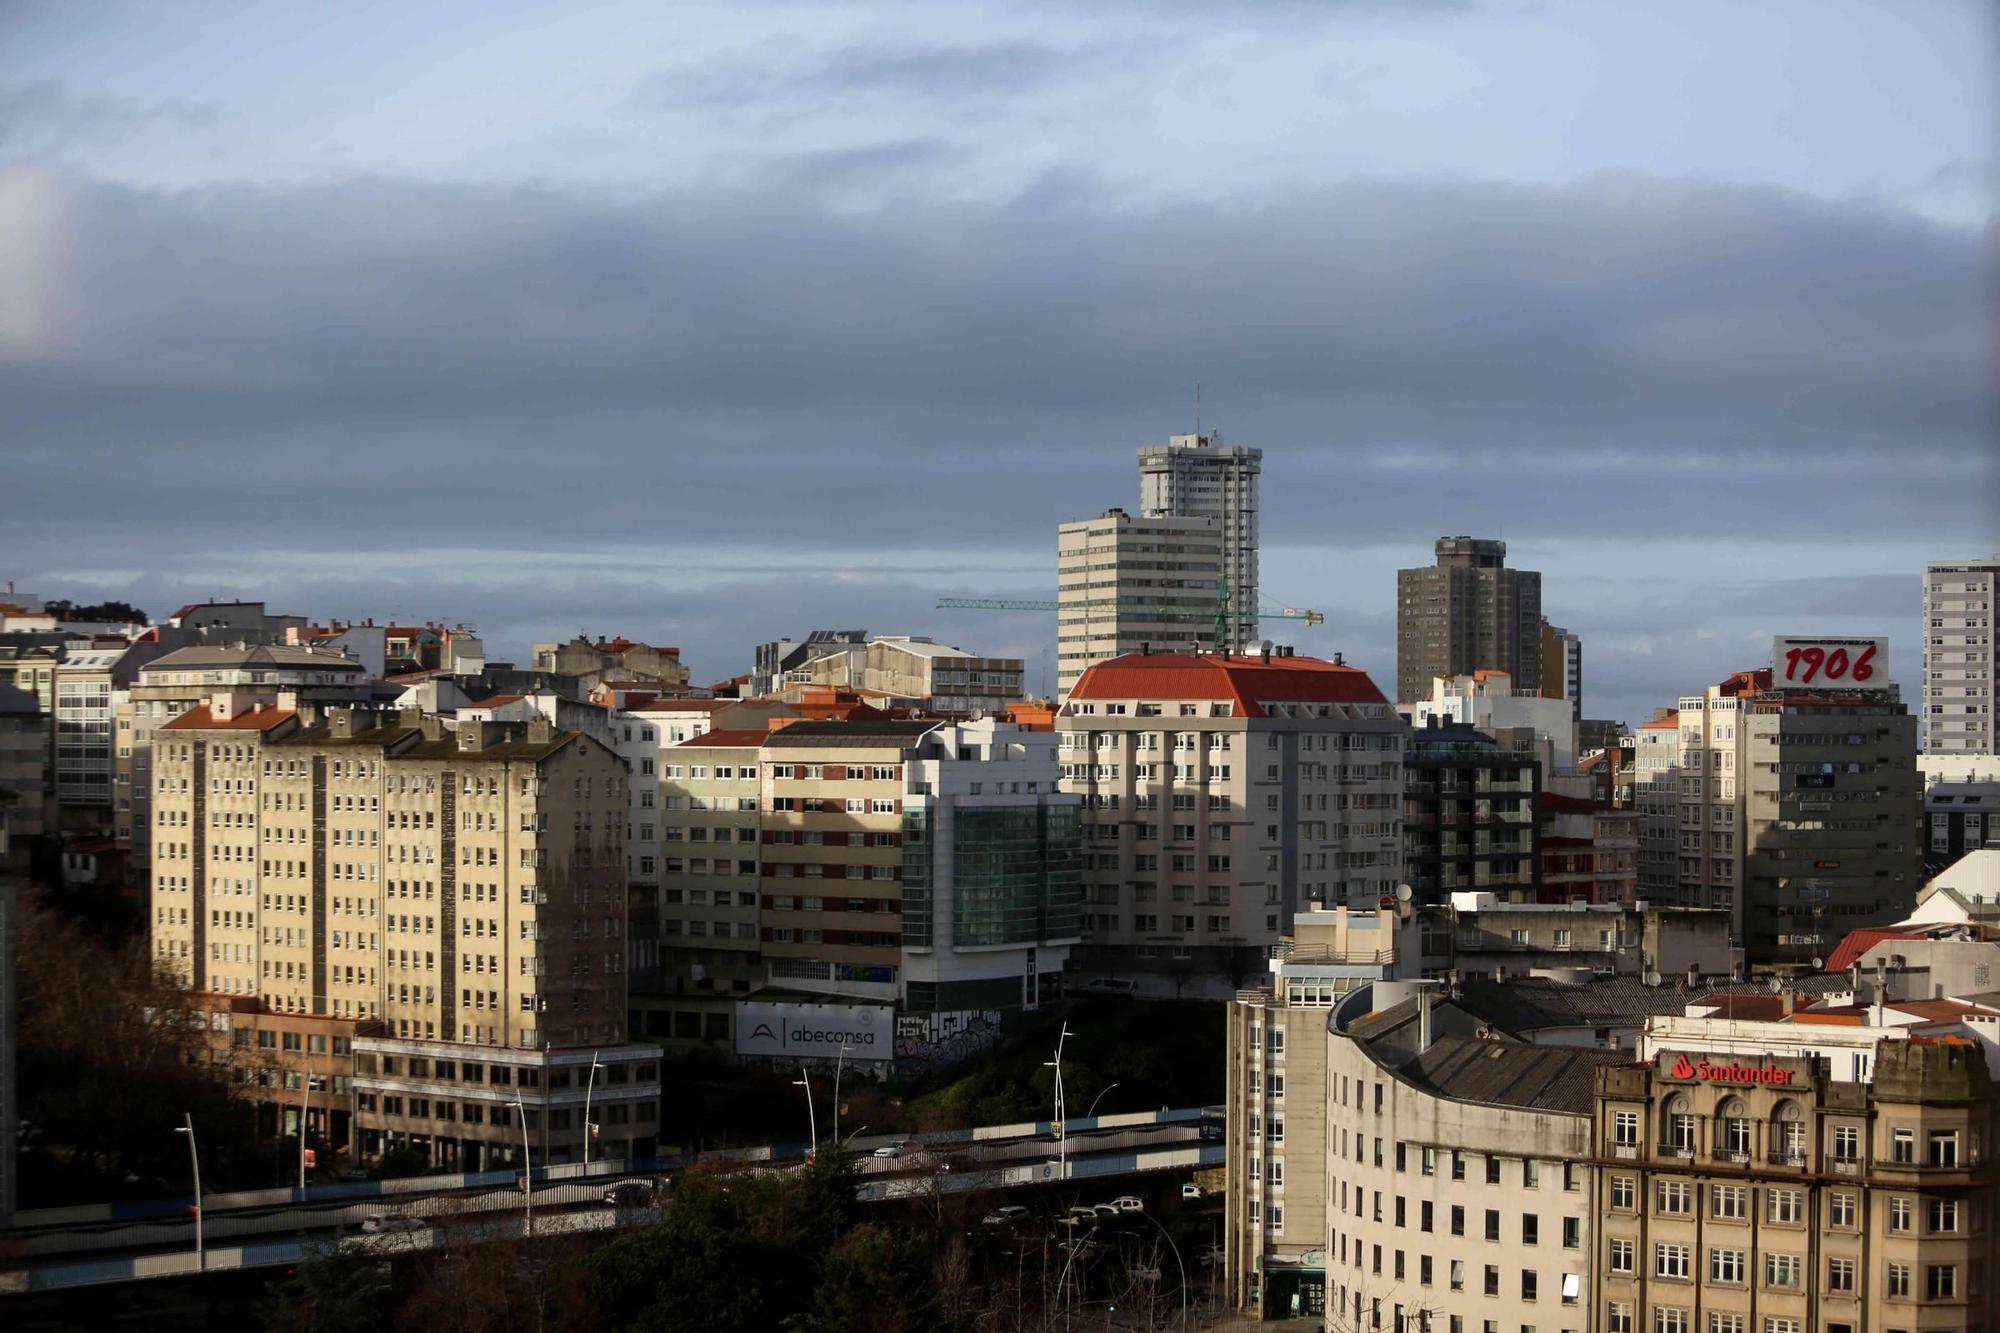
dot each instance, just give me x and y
(109, 612)
(333, 1290)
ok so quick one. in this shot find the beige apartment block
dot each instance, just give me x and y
(1197, 476)
(1757, 1194)
(1221, 796)
(455, 894)
(1125, 584)
(1961, 670)
(942, 678)
(1798, 813)
(703, 953)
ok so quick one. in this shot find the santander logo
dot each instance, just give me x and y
(1703, 1071)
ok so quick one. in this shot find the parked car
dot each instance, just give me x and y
(1005, 1216)
(1126, 1203)
(892, 1149)
(378, 1223)
(1190, 1190)
(629, 1194)
(1081, 1214)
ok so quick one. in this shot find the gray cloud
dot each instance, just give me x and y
(48, 117)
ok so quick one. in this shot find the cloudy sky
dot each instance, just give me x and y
(712, 323)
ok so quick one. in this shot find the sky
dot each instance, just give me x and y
(712, 324)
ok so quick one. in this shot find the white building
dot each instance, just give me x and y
(1489, 701)
(1961, 673)
(1198, 476)
(1125, 584)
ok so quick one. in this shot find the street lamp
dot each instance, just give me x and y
(839, 1060)
(812, 1116)
(194, 1159)
(305, 1114)
(589, 1088)
(1062, 1134)
(1098, 1098)
(854, 1134)
(527, 1172)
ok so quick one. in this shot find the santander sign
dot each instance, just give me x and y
(1702, 1070)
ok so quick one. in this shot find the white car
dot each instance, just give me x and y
(892, 1149)
(1126, 1203)
(1005, 1216)
(378, 1223)
(1190, 1190)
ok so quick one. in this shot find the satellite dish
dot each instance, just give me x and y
(1652, 978)
(1818, 962)
(1404, 893)
(1776, 985)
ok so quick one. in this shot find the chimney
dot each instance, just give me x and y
(1340, 659)
(1791, 1002)
(1265, 653)
(1423, 1018)
(540, 731)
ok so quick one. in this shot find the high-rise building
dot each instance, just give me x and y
(1469, 814)
(1221, 796)
(1198, 476)
(1126, 584)
(1656, 794)
(1466, 613)
(1961, 672)
(1562, 668)
(1798, 812)
(438, 913)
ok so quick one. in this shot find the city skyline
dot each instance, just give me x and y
(633, 347)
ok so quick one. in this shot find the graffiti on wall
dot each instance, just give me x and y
(939, 1041)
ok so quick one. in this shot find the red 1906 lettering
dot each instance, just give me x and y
(1835, 665)
(1862, 670)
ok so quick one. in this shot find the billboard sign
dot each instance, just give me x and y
(1820, 662)
(815, 1031)
(1756, 1071)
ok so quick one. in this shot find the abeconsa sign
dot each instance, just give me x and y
(1820, 663)
(815, 1030)
(1701, 1069)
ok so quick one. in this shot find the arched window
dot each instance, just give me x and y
(1788, 1133)
(1680, 1123)
(1735, 1127)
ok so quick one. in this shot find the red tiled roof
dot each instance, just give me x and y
(678, 705)
(1747, 682)
(202, 718)
(736, 736)
(1937, 1011)
(1670, 722)
(1849, 950)
(1248, 682)
(496, 701)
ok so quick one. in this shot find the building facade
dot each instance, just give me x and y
(1467, 612)
(1759, 1194)
(1221, 796)
(910, 667)
(1961, 673)
(1562, 668)
(1959, 817)
(1470, 815)
(456, 896)
(1198, 476)
(1798, 813)
(1126, 584)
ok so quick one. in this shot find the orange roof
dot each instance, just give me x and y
(261, 718)
(731, 736)
(1669, 721)
(1248, 682)
(496, 701)
(1858, 942)
(1747, 682)
(1488, 673)
(674, 704)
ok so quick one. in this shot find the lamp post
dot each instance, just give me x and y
(812, 1116)
(527, 1172)
(1098, 1098)
(305, 1113)
(839, 1060)
(194, 1159)
(588, 1089)
(1062, 1127)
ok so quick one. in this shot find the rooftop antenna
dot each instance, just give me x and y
(1197, 411)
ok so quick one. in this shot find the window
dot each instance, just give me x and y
(1846, 1143)
(1493, 1224)
(1492, 1169)
(1491, 1283)
(1901, 1209)
(1725, 1323)
(1840, 1275)
(1840, 1208)
(1943, 1147)
(1942, 1214)
(1531, 1229)
(1529, 1284)
(1679, 1125)
(1897, 1282)
(1618, 1256)
(1623, 1190)
(1725, 1266)
(1670, 1319)
(1785, 1206)
(1903, 1146)
(1673, 1196)
(1670, 1261)
(1941, 1281)
(1572, 1233)
(1625, 1129)
(1729, 1202)
(1781, 1270)
(1735, 1129)
(1458, 1219)
(1620, 1318)
(1458, 1275)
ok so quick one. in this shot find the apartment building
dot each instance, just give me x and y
(28, 663)
(1125, 585)
(1798, 812)
(1198, 476)
(1760, 1194)
(457, 896)
(775, 658)
(1562, 668)
(1453, 1177)
(175, 683)
(91, 683)
(1589, 851)
(701, 952)
(612, 660)
(1961, 672)
(1221, 795)
(1490, 938)
(1959, 817)
(1470, 815)
(922, 671)
(1465, 613)
(24, 763)
(1490, 701)
(1656, 795)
